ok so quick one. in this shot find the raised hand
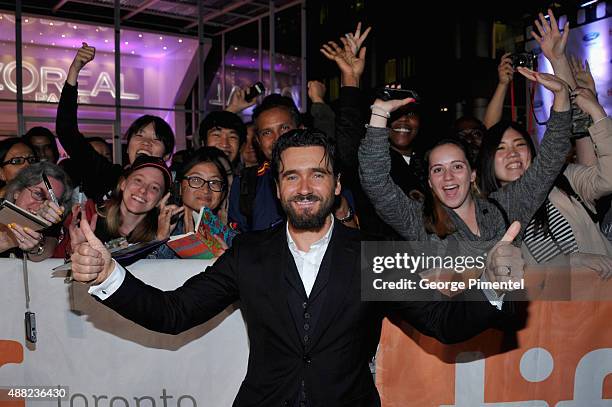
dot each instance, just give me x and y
(316, 91)
(588, 103)
(357, 39)
(350, 58)
(91, 261)
(164, 221)
(84, 55)
(551, 40)
(582, 74)
(504, 261)
(505, 72)
(381, 109)
(554, 84)
(238, 101)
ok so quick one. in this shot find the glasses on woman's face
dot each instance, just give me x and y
(20, 160)
(197, 183)
(37, 194)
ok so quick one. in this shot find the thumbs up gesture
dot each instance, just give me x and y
(505, 261)
(91, 261)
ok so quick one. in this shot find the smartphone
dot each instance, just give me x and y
(396, 94)
(30, 326)
(257, 89)
(175, 199)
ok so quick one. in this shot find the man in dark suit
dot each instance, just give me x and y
(311, 337)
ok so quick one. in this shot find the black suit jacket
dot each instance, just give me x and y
(334, 364)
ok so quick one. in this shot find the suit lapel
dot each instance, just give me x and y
(337, 279)
(276, 271)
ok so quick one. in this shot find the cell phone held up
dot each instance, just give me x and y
(396, 94)
(254, 91)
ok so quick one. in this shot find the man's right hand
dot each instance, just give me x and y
(84, 55)
(91, 261)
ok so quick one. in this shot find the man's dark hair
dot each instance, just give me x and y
(163, 131)
(274, 101)
(224, 120)
(304, 138)
(40, 131)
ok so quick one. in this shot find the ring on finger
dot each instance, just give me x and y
(504, 270)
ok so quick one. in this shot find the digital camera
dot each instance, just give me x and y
(524, 59)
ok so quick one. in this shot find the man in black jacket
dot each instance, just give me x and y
(311, 337)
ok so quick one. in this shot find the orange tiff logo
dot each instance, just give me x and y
(10, 352)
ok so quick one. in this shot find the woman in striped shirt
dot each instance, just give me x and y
(566, 223)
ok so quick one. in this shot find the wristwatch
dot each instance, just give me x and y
(349, 216)
(37, 251)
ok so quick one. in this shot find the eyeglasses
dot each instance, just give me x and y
(20, 160)
(37, 194)
(213, 184)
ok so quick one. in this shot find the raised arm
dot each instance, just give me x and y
(495, 108)
(392, 205)
(201, 297)
(323, 116)
(585, 154)
(523, 197)
(594, 181)
(350, 59)
(98, 174)
(553, 44)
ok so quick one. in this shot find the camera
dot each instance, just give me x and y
(524, 59)
(396, 94)
(254, 91)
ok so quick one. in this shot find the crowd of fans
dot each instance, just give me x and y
(468, 186)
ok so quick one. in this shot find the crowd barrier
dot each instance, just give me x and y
(562, 356)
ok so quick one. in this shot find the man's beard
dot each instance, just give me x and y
(308, 220)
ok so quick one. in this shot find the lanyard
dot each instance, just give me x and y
(30, 317)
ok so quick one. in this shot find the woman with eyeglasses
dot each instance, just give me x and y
(203, 182)
(15, 155)
(28, 191)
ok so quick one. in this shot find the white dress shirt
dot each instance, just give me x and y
(308, 263)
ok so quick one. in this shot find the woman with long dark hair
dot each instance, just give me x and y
(203, 182)
(566, 223)
(454, 210)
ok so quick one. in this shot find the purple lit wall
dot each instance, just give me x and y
(588, 42)
(153, 68)
(241, 70)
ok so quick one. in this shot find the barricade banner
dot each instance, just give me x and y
(561, 357)
(105, 360)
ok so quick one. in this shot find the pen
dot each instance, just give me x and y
(49, 189)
